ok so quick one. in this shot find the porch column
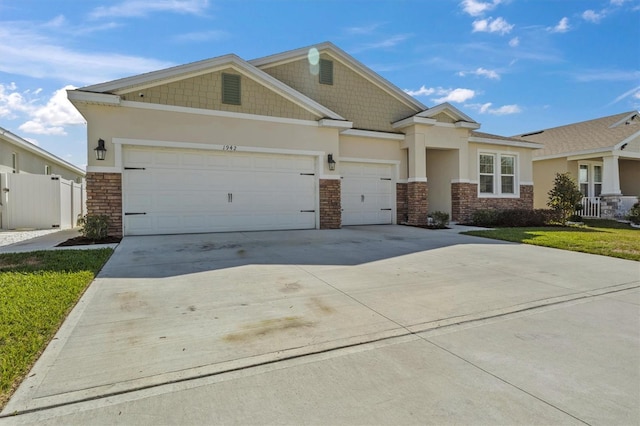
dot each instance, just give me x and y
(417, 179)
(610, 176)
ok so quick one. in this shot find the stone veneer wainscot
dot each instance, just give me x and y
(330, 204)
(465, 200)
(104, 197)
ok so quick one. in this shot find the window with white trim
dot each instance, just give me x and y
(497, 174)
(590, 179)
(47, 169)
(14, 162)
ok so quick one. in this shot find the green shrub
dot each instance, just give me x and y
(634, 213)
(439, 220)
(514, 218)
(565, 196)
(94, 227)
(485, 217)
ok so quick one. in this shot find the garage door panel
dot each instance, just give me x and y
(368, 195)
(202, 191)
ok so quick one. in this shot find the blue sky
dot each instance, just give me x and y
(512, 65)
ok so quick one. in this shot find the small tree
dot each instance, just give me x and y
(94, 227)
(565, 196)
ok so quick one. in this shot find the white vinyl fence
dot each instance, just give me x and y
(40, 201)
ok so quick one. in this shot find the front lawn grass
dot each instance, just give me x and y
(604, 237)
(37, 291)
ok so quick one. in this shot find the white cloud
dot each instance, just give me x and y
(503, 110)
(482, 72)
(391, 41)
(39, 128)
(514, 42)
(617, 2)
(478, 8)
(446, 95)
(607, 75)
(36, 55)
(561, 27)
(137, 8)
(498, 25)
(422, 91)
(213, 35)
(592, 16)
(633, 93)
(457, 95)
(44, 119)
(364, 30)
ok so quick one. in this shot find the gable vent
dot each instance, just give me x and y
(326, 71)
(231, 89)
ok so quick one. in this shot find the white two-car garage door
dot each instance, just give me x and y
(368, 193)
(171, 191)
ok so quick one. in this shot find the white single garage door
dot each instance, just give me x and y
(171, 191)
(368, 193)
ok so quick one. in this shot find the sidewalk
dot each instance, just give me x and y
(42, 240)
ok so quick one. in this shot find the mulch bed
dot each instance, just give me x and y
(84, 241)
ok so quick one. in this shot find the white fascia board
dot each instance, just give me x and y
(531, 145)
(627, 140)
(428, 113)
(624, 120)
(626, 154)
(373, 134)
(413, 120)
(93, 98)
(217, 113)
(348, 60)
(582, 155)
(337, 124)
(28, 146)
(466, 125)
(159, 75)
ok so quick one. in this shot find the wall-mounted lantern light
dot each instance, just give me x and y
(332, 162)
(101, 151)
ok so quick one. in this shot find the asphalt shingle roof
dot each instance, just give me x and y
(584, 136)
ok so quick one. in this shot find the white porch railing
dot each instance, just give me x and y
(590, 207)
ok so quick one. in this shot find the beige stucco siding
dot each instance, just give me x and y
(442, 168)
(133, 123)
(351, 95)
(544, 173)
(28, 162)
(525, 171)
(205, 91)
(633, 145)
(373, 149)
(630, 177)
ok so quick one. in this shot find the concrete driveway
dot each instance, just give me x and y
(374, 324)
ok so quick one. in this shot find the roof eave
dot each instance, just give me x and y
(24, 144)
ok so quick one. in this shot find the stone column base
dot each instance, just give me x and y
(104, 197)
(330, 204)
(417, 204)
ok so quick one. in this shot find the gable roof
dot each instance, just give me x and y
(349, 61)
(16, 140)
(192, 69)
(598, 134)
(482, 137)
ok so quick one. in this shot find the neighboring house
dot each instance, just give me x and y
(602, 155)
(309, 138)
(18, 155)
(37, 189)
